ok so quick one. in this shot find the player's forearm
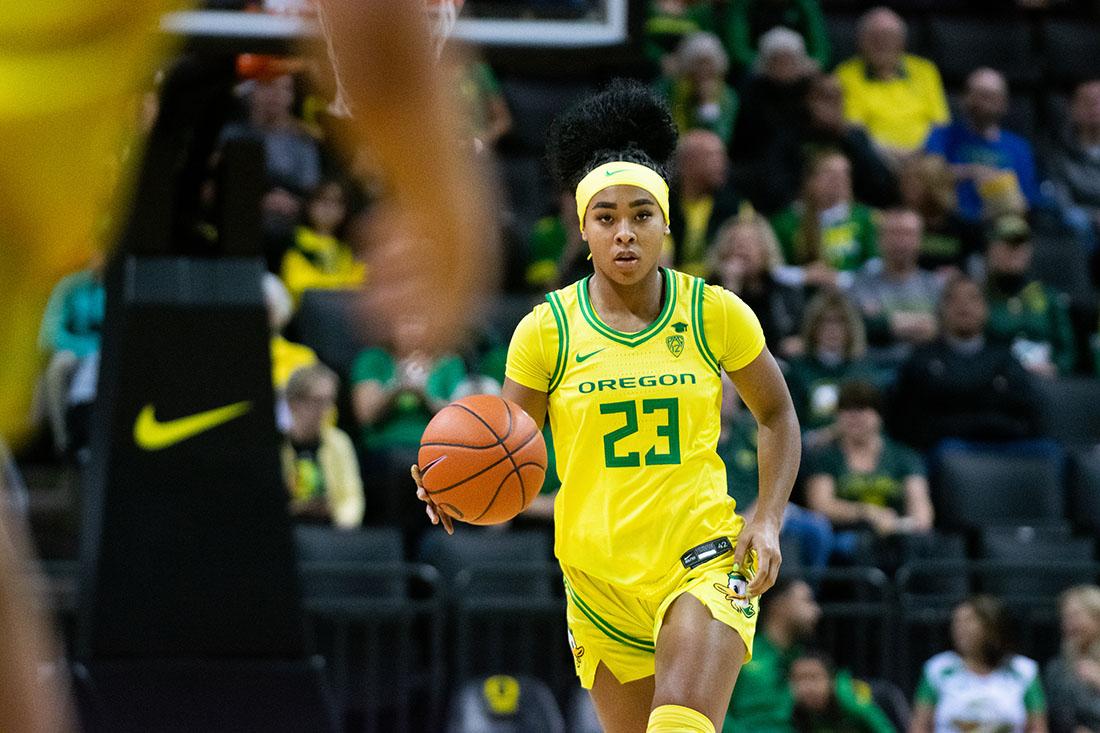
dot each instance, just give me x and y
(383, 57)
(402, 112)
(779, 450)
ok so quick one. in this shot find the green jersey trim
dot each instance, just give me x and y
(700, 335)
(608, 630)
(563, 340)
(629, 339)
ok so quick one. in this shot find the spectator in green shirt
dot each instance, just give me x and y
(827, 232)
(827, 701)
(1023, 311)
(395, 392)
(762, 700)
(862, 478)
(980, 685)
(836, 346)
(750, 19)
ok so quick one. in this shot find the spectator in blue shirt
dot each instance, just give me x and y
(995, 168)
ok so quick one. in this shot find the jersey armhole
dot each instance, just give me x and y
(697, 290)
(562, 326)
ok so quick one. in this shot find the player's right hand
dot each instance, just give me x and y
(435, 514)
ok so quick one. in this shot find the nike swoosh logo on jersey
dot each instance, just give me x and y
(151, 434)
(593, 353)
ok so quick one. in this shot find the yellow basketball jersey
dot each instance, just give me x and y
(635, 420)
(69, 74)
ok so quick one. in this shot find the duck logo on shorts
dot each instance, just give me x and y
(675, 344)
(578, 651)
(736, 592)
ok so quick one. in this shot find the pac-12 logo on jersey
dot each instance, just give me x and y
(675, 343)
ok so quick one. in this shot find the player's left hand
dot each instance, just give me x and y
(762, 535)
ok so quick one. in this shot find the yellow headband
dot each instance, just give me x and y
(621, 173)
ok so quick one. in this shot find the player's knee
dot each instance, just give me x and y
(678, 719)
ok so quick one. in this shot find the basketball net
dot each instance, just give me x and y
(442, 15)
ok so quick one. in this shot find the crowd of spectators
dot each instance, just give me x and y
(887, 245)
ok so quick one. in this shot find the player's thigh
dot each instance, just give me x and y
(621, 708)
(697, 660)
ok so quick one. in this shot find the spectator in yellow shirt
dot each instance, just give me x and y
(319, 463)
(319, 259)
(897, 96)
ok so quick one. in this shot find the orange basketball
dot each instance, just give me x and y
(482, 459)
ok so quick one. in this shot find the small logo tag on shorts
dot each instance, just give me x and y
(578, 651)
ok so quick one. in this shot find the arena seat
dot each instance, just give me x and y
(1068, 410)
(504, 704)
(341, 562)
(534, 103)
(961, 45)
(325, 321)
(499, 563)
(138, 695)
(1051, 546)
(505, 604)
(318, 543)
(1084, 490)
(842, 30)
(936, 588)
(376, 620)
(973, 489)
(1061, 262)
(1072, 50)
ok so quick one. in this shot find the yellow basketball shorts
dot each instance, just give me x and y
(607, 624)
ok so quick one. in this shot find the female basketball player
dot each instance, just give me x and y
(628, 363)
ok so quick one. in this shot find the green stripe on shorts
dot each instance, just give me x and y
(609, 631)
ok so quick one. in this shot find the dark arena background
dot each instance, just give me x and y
(216, 485)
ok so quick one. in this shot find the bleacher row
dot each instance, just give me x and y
(1032, 52)
(1041, 57)
(400, 639)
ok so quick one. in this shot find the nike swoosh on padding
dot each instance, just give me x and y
(151, 434)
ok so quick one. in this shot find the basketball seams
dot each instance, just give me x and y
(496, 493)
(483, 470)
(483, 412)
(519, 475)
(480, 419)
(515, 468)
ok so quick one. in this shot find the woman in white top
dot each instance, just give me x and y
(981, 686)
